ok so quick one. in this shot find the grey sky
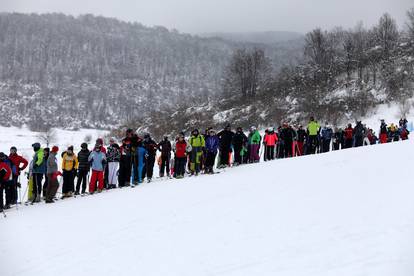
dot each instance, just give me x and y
(197, 16)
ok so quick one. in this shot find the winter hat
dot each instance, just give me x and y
(270, 129)
(36, 146)
(2, 157)
(55, 149)
(70, 148)
(13, 148)
(84, 146)
(99, 141)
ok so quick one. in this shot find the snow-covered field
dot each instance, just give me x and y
(344, 213)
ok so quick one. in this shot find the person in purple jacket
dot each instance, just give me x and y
(212, 144)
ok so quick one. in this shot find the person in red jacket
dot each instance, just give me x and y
(20, 163)
(5, 177)
(349, 136)
(181, 148)
(270, 140)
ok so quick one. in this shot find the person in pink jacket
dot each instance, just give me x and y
(270, 141)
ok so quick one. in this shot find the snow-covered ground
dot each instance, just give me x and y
(344, 213)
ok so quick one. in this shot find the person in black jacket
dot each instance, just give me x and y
(83, 168)
(239, 142)
(151, 147)
(359, 134)
(165, 147)
(226, 137)
(338, 139)
(287, 135)
(301, 140)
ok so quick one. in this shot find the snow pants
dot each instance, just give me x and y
(149, 167)
(269, 153)
(97, 176)
(195, 159)
(224, 156)
(52, 187)
(383, 138)
(326, 145)
(125, 168)
(165, 165)
(210, 160)
(254, 153)
(82, 179)
(68, 181)
(37, 185)
(299, 149)
(180, 163)
(113, 168)
(237, 156)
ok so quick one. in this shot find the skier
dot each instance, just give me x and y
(301, 140)
(83, 168)
(5, 177)
(21, 164)
(113, 157)
(313, 133)
(269, 141)
(212, 145)
(141, 155)
(151, 148)
(383, 132)
(337, 140)
(46, 152)
(359, 134)
(165, 147)
(287, 135)
(97, 159)
(403, 123)
(239, 143)
(254, 145)
(181, 149)
(264, 145)
(225, 137)
(404, 133)
(125, 165)
(326, 135)
(197, 144)
(38, 171)
(69, 167)
(8, 187)
(349, 136)
(52, 174)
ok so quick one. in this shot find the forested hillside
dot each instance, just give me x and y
(100, 72)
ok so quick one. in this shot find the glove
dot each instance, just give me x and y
(18, 185)
(75, 173)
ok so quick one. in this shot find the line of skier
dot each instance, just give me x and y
(127, 164)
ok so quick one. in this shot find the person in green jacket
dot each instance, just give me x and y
(197, 144)
(254, 140)
(38, 170)
(313, 134)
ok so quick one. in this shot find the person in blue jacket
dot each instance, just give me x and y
(212, 144)
(140, 153)
(326, 137)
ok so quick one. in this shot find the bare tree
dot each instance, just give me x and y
(48, 136)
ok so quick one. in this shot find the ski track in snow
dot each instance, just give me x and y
(341, 213)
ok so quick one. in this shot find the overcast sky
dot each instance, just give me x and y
(198, 16)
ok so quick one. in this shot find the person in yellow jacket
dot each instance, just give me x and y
(313, 135)
(69, 167)
(197, 144)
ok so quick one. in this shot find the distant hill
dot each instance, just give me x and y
(270, 37)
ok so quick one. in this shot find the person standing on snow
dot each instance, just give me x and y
(338, 138)
(313, 133)
(141, 155)
(349, 136)
(359, 134)
(269, 141)
(5, 178)
(181, 149)
(97, 159)
(239, 144)
(287, 134)
(197, 144)
(165, 147)
(326, 135)
(8, 187)
(212, 145)
(151, 148)
(21, 164)
(113, 157)
(83, 168)
(225, 137)
(254, 140)
(38, 170)
(383, 132)
(301, 140)
(69, 167)
(52, 174)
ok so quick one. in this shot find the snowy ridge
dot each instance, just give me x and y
(343, 213)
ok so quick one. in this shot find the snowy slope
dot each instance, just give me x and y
(343, 213)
